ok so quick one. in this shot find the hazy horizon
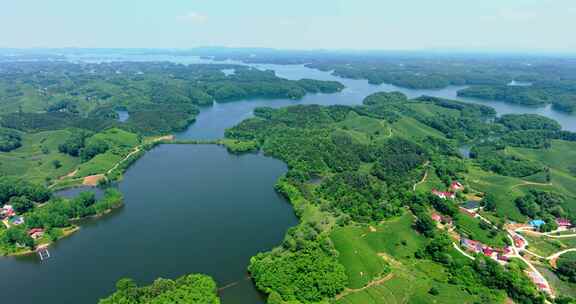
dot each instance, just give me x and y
(536, 26)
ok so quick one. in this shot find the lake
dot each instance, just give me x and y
(188, 208)
(123, 115)
(192, 208)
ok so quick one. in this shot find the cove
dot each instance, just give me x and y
(188, 208)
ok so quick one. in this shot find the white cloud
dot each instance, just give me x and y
(193, 17)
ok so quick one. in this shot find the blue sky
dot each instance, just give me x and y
(538, 25)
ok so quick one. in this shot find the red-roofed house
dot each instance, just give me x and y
(518, 241)
(36, 233)
(488, 251)
(563, 222)
(444, 195)
(456, 185)
(436, 217)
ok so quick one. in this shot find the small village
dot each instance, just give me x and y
(9, 218)
(518, 246)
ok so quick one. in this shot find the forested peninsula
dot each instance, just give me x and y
(379, 216)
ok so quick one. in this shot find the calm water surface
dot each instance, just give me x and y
(191, 209)
(123, 115)
(188, 208)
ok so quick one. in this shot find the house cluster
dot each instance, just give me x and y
(451, 193)
(7, 212)
(497, 254)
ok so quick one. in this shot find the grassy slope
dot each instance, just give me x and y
(562, 287)
(411, 128)
(362, 262)
(33, 161)
(121, 143)
(471, 226)
(504, 188)
(543, 246)
(30, 162)
(561, 158)
(432, 182)
(364, 129)
(395, 242)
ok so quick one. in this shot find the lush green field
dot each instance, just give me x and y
(364, 124)
(121, 144)
(393, 242)
(361, 248)
(410, 285)
(35, 159)
(361, 261)
(39, 160)
(562, 154)
(432, 110)
(471, 227)
(117, 138)
(432, 182)
(411, 128)
(561, 158)
(505, 189)
(543, 246)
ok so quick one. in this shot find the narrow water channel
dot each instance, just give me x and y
(191, 209)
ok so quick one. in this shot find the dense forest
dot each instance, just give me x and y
(368, 169)
(189, 289)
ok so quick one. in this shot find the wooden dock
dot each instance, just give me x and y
(43, 253)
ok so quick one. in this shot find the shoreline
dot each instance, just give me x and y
(66, 232)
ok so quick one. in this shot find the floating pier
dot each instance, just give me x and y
(43, 253)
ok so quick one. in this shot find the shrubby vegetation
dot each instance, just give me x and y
(560, 93)
(491, 156)
(567, 266)
(396, 161)
(75, 142)
(360, 195)
(308, 273)
(188, 289)
(9, 140)
(512, 94)
(11, 187)
(516, 122)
